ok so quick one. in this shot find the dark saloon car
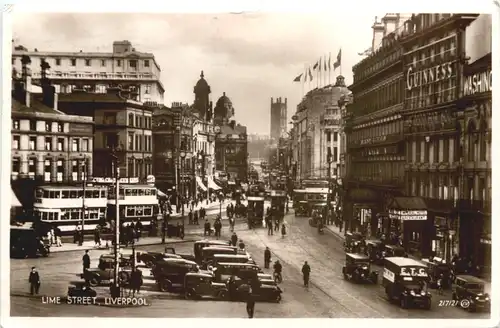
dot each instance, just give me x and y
(469, 290)
(357, 268)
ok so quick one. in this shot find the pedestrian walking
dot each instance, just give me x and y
(195, 217)
(58, 233)
(34, 281)
(218, 227)
(440, 284)
(283, 230)
(97, 237)
(306, 270)
(267, 258)
(250, 300)
(190, 217)
(86, 261)
(136, 280)
(234, 239)
(138, 229)
(270, 226)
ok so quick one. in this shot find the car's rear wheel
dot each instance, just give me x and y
(165, 286)
(190, 294)
(94, 282)
(278, 298)
(223, 294)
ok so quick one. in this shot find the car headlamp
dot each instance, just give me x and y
(423, 293)
(412, 293)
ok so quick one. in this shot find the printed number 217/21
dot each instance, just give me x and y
(448, 303)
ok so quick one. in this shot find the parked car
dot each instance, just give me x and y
(105, 272)
(198, 285)
(471, 289)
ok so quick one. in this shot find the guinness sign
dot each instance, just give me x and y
(429, 75)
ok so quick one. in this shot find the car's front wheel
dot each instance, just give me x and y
(94, 282)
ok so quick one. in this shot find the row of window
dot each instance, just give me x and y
(77, 170)
(138, 211)
(48, 126)
(133, 63)
(333, 154)
(51, 144)
(71, 214)
(385, 96)
(70, 194)
(378, 171)
(446, 187)
(138, 169)
(362, 72)
(383, 129)
(329, 136)
(136, 191)
(140, 121)
(142, 142)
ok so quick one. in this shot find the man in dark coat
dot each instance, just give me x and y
(136, 280)
(269, 225)
(138, 229)
(195, 217)
(234, 239)
(34, 280)
(218, 227)
(267, 257)
(86, 261)
(202, 213)
(306, 270)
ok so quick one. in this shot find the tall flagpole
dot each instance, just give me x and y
(324, 66)
(329, 68)
(304, 80)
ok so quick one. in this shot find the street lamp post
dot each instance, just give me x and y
(182, 155)
(84, 185)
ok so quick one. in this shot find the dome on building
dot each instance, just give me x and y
(224, 102)
(202, 85)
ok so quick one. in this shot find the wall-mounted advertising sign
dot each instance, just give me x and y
(408, 215)
(429, 75)
(478, 83)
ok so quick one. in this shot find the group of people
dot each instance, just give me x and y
(53, 237)
(217, 227)
(274, 222)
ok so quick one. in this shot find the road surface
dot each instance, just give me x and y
(329, 295)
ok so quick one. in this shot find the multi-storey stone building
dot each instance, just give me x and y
(123, 130)
(315, 139)
(94, 72)
(434, 46)
(374, 132)
(48, 147)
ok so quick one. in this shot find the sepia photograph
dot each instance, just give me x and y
(250, 165)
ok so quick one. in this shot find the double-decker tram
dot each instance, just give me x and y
(137, 203)
(66, 206)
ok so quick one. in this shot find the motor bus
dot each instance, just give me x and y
(136, 201)
(62, 206)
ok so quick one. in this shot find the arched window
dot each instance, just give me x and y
(472, 136)
(483, 143)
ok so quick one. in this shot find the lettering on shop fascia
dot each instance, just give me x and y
(478, 83)
(429, 75)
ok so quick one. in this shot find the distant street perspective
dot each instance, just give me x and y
(371, 199)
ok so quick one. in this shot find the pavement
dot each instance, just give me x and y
(328, 295)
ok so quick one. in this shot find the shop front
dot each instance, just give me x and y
(409, 218)
(358, 207)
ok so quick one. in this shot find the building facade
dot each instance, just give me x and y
(123, 131)
(433, 123)
(474, 207)
(278, 119)
(374, 133)
(48, 147)
(315, 139)
(96, 71)
(231, 143)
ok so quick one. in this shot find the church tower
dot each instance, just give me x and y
(202, 103)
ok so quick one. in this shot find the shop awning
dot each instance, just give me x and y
(200, 184)
(407, 203)
(14, 201)
(212, 185)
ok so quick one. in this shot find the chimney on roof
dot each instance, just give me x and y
(232, 124)
(26, 78)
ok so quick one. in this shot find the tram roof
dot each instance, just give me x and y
(59, 188)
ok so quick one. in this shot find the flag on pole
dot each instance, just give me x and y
(310, 75)
(316, 65)
(367, 52)
(329, 61)
(326, 67)
(338, 61)
(298, 78)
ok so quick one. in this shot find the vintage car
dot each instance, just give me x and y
(357, 268)
(150, 258)
(471, 289)
(81, 290)
(394, 251)
(374, 249)
(199, 285)
(438, 269)
(25, 242)
(200, 244)
(105, 271)
(231, 258)
(239, 288)
(223, 271)
(169, 274)
(301, 208)
(353, 242)
(171, 250)
(210, 252)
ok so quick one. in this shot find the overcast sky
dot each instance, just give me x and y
(252, 57)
